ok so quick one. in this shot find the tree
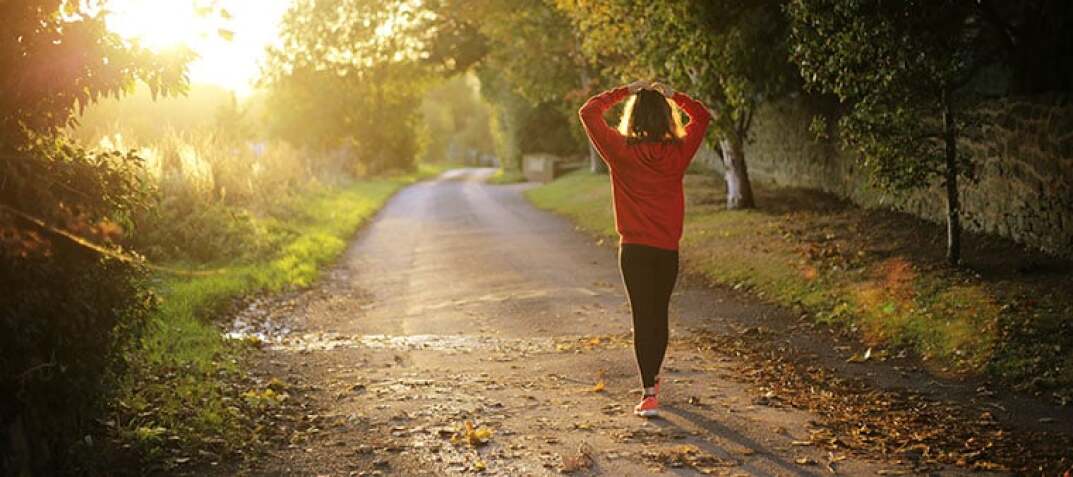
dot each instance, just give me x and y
(349, 76)
(731, 54)
(904, 69)
(456, 121)
(553, 75)
(530, 66)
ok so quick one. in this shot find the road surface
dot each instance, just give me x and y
(461, 301)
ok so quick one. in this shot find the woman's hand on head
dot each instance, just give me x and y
(663, 89)
(638, 86)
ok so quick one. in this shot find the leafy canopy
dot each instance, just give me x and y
(348, 76)
(731, 54)
(58, 57)
(894, 63)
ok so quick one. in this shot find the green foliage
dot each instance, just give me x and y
(534, 95)
(67, 312)
(457, 123)
(896, 65)
(59, 56)
(348, 78)
(731, 54)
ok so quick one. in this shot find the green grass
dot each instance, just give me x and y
(182, 391)
(838, 266)
(584, 198)
(504, 176)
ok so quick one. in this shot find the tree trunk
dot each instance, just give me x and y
(739, 189)
(953, 207)
(596, 165)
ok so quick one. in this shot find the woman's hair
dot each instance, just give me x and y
(650, 117)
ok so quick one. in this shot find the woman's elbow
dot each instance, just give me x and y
(587, 109)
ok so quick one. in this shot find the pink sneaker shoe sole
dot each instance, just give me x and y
(646, 412)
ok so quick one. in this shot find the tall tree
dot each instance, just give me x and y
(904, 69)
(731, 54)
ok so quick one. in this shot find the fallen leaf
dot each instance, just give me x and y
(599, 387)
(473, 436)
(580, 461)
(859, 358)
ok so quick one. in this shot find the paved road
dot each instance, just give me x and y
(461, 301)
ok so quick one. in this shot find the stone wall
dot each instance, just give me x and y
(1024, 160)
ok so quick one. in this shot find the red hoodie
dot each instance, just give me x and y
(646, 178)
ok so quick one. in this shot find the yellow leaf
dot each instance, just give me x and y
(599, 387)
(70, 7)
(474, 436)
(859, 358)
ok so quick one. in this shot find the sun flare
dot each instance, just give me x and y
(229, 45)
(157, 25)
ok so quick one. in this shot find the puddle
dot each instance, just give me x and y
(263, 320)
(271, 322)
(274, 335)
(444, 343)
(513, 296)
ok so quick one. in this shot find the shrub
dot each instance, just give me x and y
(67, 312)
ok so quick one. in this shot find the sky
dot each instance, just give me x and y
(234, 64)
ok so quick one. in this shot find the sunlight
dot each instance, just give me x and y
(230, 61)
(156, 25)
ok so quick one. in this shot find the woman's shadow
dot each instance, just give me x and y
(774, 464)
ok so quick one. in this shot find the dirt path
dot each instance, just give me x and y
(461, 302)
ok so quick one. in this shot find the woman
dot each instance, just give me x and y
(647, 158)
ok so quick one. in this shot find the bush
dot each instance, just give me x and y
(67, 313)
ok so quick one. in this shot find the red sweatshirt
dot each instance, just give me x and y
(646, 178)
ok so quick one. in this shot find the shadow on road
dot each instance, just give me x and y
(716, 429)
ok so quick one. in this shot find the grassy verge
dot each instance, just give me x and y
(187, 399)
(504, 176)
(878, 274)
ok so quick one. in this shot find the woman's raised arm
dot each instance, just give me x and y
(699, 119)
(604, 138)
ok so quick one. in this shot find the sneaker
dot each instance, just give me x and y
(649, 407)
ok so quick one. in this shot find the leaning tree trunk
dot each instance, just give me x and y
(953, 205)
(596, 165)
(739, 189)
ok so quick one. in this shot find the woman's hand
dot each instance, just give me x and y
(638, 86)
(663, 89)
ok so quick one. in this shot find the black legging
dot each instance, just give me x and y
(649, 274)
